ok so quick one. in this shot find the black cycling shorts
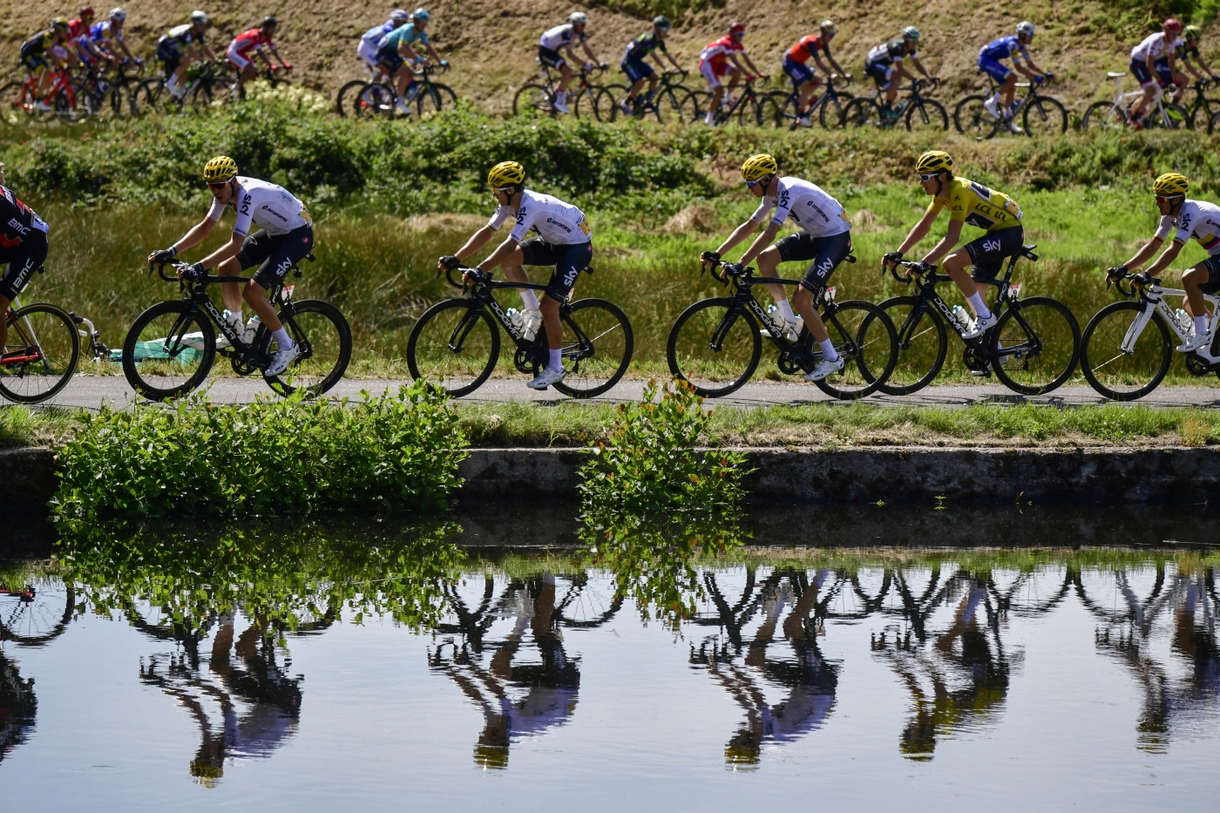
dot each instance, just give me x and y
(33, 62)
(568, 261)
(1212, 266)
(275, 254)
(826, 253)
(989, 252)
(881, 74)
(390, 59)
(549, 57)
(24, 259)
(170, 57)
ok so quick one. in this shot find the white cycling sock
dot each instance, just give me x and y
(784, 309)
(530, 300)
(559, 96)
(710, 118)
(980, 308)
(282, 340)
(995, 97)
(828, 349)
(556, 362)
(1200, 325)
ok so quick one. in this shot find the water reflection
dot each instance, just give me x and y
(18, 706)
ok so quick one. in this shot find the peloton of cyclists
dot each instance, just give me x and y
(283, 238)
(564, 241)
(563, 36)
(970, 203)
(190, 36)
(1184, 219)
(90, 56)
(249, 44)
(108, 37)
(637, 69)
(23, 245)
(35, 52)
(1161, 45)
(724, 57)
(824, 239)
(805, 80)
(394, 50)
(1015, 47)
(1185, 50)
(884, 64)
(367, 49)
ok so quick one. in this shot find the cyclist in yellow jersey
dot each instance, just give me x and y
(970, 203)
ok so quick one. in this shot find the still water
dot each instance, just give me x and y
(384, 668)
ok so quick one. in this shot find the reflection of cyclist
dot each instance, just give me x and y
(724, 57)
(1156, 46)
(367, 49)
(44, 45)
(518, 700)
(396, 54)
(23, 245)
(18, 706)
(190, 36)
(250, 44)
(1185, 50)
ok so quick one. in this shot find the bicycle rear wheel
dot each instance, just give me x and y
(40, 354)
(922, 345)
(326, 348)
(1104, 116)
(169, 350)
(454, 345)
(597, 347)
(714, 346)
(865, 337)
(347, 94)
(1040, 340)
(375, 100)
(1125, 375)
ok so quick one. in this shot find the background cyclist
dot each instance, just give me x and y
(884, 64)
(23, 245)
(35, 52)
(1015, 47)
(1185, 49)
(805, 81)
(369, 40)
(254, 42)
(190, 36)
(824, 238)
(1183, 219)
(108, 36)
(723, 57)
(638, 71)
(395, 53)
(1143, 65)
(562, 36)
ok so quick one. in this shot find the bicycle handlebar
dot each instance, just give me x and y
(918, 268)
(1140, 279)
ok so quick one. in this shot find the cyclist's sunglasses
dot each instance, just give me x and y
(217, 185)
(1168, 198)
(927, 176)
(752, 184)
(503, 190)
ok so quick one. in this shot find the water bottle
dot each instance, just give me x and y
(247, 335)
(962, 318)
(1184, 321)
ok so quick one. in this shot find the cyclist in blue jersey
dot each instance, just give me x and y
(108, 36)
(1015, 47)
(395, 48)
(638, 71)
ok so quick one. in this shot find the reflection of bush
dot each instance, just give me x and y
(18, 706)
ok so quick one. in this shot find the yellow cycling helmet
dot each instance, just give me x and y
(756, 166)
(934, 161)
(506, 173)
(1169, 185)
(220, 168)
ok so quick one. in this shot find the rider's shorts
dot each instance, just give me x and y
(568, 261)
(989, 252)
(881, 74)
(826, 253)
(798, 72)
(389, 58)
(276, 254)
(170, 57)
(996, 70)
(550, 57)
(367, 52)
(1212, 265)
(637, 70)
(234, 56)
(1140, 71)
(1163, 72)
(33, 62)
(24, 259)
(708, 68)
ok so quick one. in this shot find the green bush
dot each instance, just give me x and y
(272, 457)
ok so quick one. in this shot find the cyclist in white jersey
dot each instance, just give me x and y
(1184, 219)
(824, 238)
(563, 36)
(367, 49)
(284, 237)
(1160, 45)
(564, 241)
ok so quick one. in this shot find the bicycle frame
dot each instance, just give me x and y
(1121, 99)
(26, 331)
(1154, 296)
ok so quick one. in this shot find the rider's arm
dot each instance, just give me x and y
(502, 253)
(432, 53)
(740, 233)
(760, 244)
(1032, 71)
(838, 68)
(1167, 256)
(753, 68)
(223, 253)
(476, 242)
(1144, 254)
(1204, 65)
(918, 231)
(406, 51)
(952, 235)
(672, 61)
(915, 61)
(592, 56)
(198, 233)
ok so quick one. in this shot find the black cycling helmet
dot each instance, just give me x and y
(269, 22)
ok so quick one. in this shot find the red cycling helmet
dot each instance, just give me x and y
(737, 28)
(86, 11)
(1173, 26)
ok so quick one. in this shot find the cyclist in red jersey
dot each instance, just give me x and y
(714, 63)
(81, 24)
(23, 245)
(804, 80)
(248, 44)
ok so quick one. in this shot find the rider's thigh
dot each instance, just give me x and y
(768, 262)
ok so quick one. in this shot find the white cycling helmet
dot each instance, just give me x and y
(400, 16)
(118, 15)
(200, 17)
(1026, 28)
(578, 18)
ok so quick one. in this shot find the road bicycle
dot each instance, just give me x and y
(60, 100)
(171, 347)
(103, 91)
(1112, 114)
(750, 106)
(583, 99)
(1040, 114)
(204, 82)
(668, 102)
(917, 112)
(1032, 349)
(828, 108)
(1202, 109)
(455, 344)
(377, 97)
(1127, 346)
(41, 352)
(715, 344)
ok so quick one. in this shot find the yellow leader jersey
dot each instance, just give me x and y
(975, 204)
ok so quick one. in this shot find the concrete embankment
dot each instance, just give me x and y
(896, 476)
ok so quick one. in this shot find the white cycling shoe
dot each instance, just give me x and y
(546, 378)
(1195, 342)
(981, 326)
(281, 360)
(825, 368)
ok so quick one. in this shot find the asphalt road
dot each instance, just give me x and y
(94, 391)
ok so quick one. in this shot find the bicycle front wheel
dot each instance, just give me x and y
(1125, 374)
(169, 350)
(532, 100)
(347, 94)
(922, 345)
(866, 340)
(830, 112)
(597, 347)
(1035, 345)
(1045, 116)
(40, 354)
(454, 345)
(326, 348)
(862, 112)
(714, 347)
(927, 115)
(971, 118)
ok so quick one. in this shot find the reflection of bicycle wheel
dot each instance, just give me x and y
(36, 615)
(1030, 592)
(587, 604)
(1119, 596)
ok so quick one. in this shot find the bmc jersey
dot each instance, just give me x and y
(247, 41)
(271, 207)
(807, 205)
(403, 34)
(16, 219)
(643, 45)
(1155, 46)
(559, 36)
(717, 52)
(77, 28)
(806, 47)
(556, 222)
(975, 204)
(887, 53)
(1004, 48)
(1198, 219)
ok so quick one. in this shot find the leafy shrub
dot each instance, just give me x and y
(267, 458)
